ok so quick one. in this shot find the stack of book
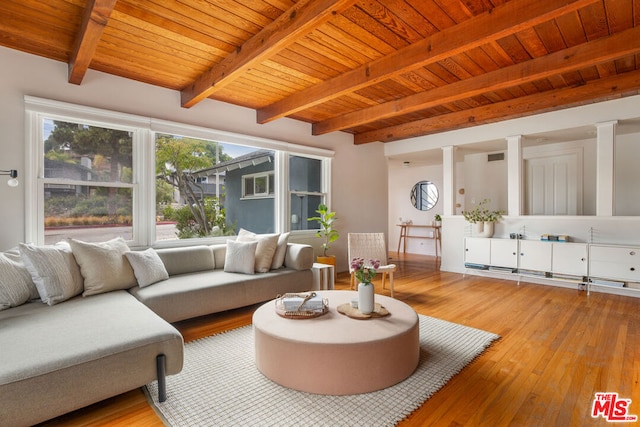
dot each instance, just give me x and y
(298, 303)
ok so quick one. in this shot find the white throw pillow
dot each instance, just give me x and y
(103, 265)
(281, 251)
(147, 267)
(16, 286)
(240, 257)
(267, 245)
(54, 270)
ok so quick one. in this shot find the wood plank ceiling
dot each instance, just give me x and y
(383, 70)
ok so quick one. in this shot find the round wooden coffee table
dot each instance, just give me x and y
(335, 354)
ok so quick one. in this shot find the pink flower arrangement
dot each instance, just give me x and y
(365, 272)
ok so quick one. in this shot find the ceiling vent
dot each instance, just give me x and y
(495, 157)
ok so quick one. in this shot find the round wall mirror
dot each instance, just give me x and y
(424, 195)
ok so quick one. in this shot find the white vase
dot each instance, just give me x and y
(484, 229)
(366, 300)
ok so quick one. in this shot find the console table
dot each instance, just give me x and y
(437, 236)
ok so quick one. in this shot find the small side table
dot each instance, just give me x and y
(323, 277)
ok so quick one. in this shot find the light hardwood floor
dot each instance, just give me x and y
(558, 347)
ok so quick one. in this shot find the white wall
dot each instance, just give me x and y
(401, 181)
(359, 172)
(597, 229)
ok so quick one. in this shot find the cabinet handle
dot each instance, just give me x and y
(521, 253)
(582, 259)
(514, 253)
(632, 253)
(632, 269)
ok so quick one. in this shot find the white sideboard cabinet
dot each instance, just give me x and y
(583, 263)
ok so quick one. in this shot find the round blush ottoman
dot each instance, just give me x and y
(335, 354)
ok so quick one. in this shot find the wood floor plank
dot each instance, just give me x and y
(558, 347)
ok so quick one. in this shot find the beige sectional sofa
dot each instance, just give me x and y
(65, 345)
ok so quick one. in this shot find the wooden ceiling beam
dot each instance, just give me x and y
(298, 21)
(571, 59)
(497, 23)
(94, 19)
(626, 84)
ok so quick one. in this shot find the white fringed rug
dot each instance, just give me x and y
(221, 386)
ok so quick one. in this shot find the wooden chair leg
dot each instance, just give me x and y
(352, 281)
(384, 275)
(391, 282)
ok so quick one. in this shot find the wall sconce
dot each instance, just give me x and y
(13, 181)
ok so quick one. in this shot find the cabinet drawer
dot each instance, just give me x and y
(620, 271)
(621, 254)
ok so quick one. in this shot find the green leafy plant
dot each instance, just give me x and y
(326, 219)
(480, 213)
(438, 217)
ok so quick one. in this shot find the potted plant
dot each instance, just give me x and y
(483, 218)
(365, 274)
(437, 220)
(329, 234)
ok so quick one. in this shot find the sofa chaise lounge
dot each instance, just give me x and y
(64, 346)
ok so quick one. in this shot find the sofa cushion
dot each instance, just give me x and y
(196, 294)
(103, 265)
(54, 271)
(267, 245)
(187, 259)
(241, 257)
(16, 286)
(61, 358)
(147, 267)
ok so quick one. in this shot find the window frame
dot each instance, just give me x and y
(144, 130)
(270, 193)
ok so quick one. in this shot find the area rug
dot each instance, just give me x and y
(221, 386)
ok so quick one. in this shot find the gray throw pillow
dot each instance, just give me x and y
(147, 267)
(16, 286)
(241, 257)
(103, 265)
(54, 271)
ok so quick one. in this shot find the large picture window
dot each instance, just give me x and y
(94, 175)
(87, 181)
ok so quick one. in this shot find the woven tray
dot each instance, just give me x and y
(299, 314)
(354, 313)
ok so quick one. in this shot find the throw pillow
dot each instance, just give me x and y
(281, 251)
(147, 267)
(54, 271)
(240, 257)
(267, 244)
(16, 286)
(103, 265)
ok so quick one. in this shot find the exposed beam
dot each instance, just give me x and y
(626, 84)
(94, 18)
(298, 21)
(571, 59)
(497, 23)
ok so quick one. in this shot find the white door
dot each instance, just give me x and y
(477, 250)
(535, 255)
(504, 253)
(554, 185)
